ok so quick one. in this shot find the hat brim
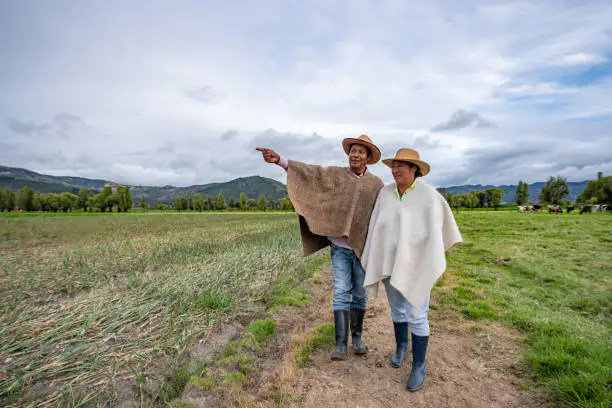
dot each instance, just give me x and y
(423, 166)
(375, 151)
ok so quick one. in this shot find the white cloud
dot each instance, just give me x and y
(191, 87)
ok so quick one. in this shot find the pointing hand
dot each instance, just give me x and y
(269, 155)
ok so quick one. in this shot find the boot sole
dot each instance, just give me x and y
(415, 389)
(339, 358)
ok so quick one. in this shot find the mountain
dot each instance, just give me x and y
(254, 186)
(575, 188)
(15, 178)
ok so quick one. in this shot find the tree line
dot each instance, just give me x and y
(197, 202)
(489, 198)
(27, 199)
(555, 192)
(120, 200)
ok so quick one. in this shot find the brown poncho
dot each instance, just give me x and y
(331, 202)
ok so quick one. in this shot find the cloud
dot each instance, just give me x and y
(230, 135)
(581, 58)
(25, 128)
(60, 125)
(312, 74)
(203, 94)
(462, 119)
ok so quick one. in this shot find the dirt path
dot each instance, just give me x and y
(470, 364)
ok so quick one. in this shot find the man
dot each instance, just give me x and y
(334, 206)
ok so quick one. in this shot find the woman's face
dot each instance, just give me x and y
(404, 173)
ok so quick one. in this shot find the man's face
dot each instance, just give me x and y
(403, 173)
(358, 157)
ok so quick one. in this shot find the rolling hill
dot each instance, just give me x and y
(253, 186)
(16, 178)
(575, 188)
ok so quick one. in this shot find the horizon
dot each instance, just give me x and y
(269, 178)
(153, 93)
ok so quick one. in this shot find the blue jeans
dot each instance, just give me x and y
(404, 312)
(349, 275)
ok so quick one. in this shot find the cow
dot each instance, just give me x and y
(589, 208)
(525, 208)
(570, 208)
(604, 208)
(537, 208)
(555, 209)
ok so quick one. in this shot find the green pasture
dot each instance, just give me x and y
(90, 302)
(550, 276)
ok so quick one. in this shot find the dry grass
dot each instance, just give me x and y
(125, 296)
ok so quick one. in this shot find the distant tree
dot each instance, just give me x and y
(160, 206)
(243, 201)
(83, 199)
(597, 191)
(262, 203)
(522, 193)
(197, 202)
(286, 204)
(36, 205)
(7, 199)
(470, 200)
(100, 202)
(180, 203)
(220, 205)
(112, 202)
(67, 201)
(231, 202)
(494, 196)
(143, 202)
(251, 203)
(91, 202)
(123, 199)
(25, 198)
(107, 191)
(482, 198)
(555, 190)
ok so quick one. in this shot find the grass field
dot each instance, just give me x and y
(92, 301)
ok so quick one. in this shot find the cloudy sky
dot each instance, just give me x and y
(181, 92)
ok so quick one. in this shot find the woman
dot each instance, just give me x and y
(410, 230)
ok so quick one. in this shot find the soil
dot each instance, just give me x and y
(469, 364)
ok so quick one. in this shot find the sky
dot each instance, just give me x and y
(181, 93)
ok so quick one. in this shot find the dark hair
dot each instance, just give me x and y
(418, 171)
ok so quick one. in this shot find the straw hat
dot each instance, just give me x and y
(363, 140)
(410, 156)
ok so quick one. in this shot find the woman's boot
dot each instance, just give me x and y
(341, 321)
(401, 344)
(419, 365)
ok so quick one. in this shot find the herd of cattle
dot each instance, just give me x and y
(557, 208)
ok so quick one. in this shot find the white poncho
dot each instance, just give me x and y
(407, 241)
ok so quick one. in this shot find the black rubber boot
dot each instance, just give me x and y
(341, 320)
(419, 364)
(401, 344)
(356, 331)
